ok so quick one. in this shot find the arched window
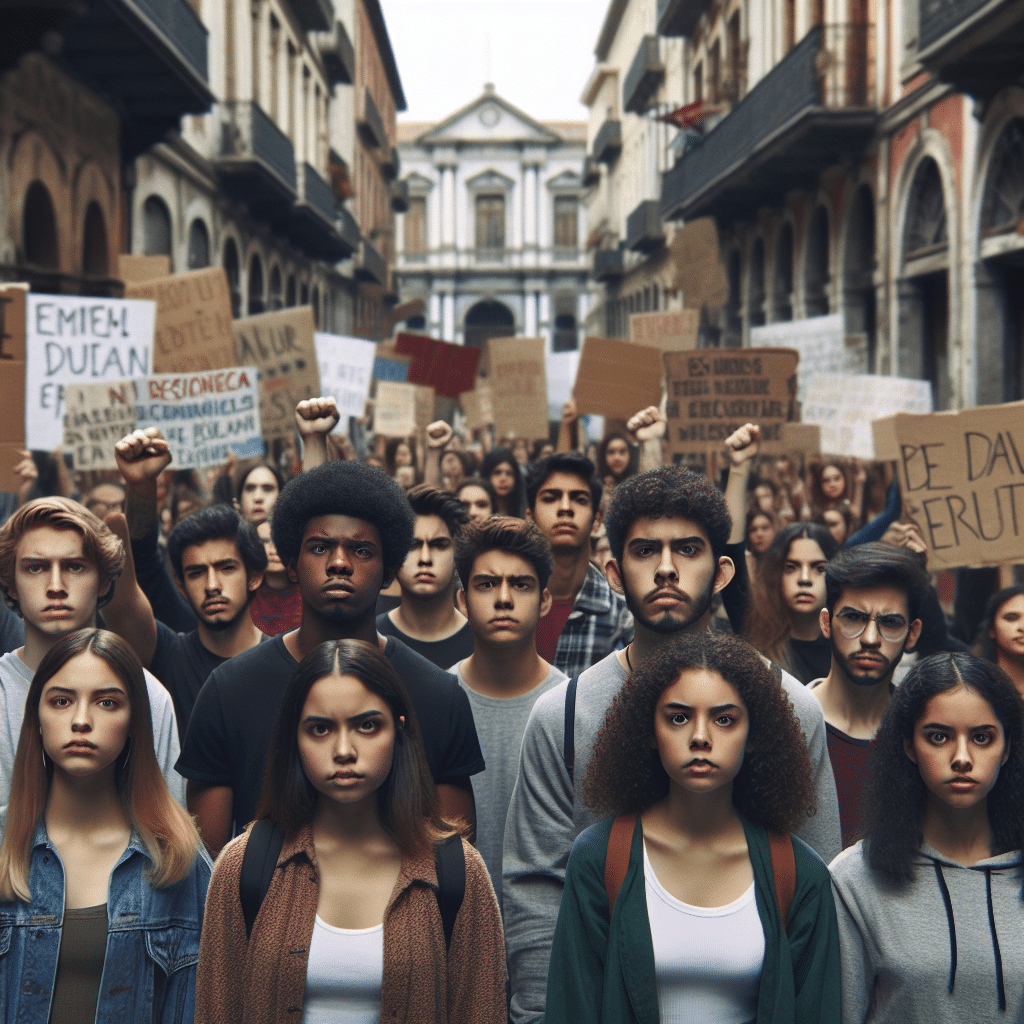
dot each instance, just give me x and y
(755, 294)
(198, 245)
(926, 230)
(257, 304)
(488, 319)
(304, 294)
(39, 228)
(733, 320)
(782, 290)
(859, 272)
(566, 337)
(316, 306)
(289, 293)
(1003, 205)
(231, 268)
(156, 227)
(95, 254)
(276, 299)
(816, 269)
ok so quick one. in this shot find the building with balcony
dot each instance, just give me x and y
(493, 237)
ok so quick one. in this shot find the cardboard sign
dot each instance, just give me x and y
(424, 406)
(962, 479)
(346, 372)
(519, 390)
(282, 348)
(448, 369)
(193, 321)
(477, 406)
(802, 437)
(617, 378)
(12, 401)
(77, 340)
(699, 271)
(96, 417)
(844, 405)
(390, 367)
(713, 392)
(132, 268)
(12, 320)
(10, 456)
(671, 332)
(394, 412)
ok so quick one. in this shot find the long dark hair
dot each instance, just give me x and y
(602, 458)
(984, 645)
(774, 787)
(895, 795)
(407, 801)
(515, 503)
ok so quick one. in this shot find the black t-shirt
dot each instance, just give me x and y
(232, 724)
(810, 659)
(12, 629)
(443, 653)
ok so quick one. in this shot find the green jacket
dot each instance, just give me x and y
(597, 976)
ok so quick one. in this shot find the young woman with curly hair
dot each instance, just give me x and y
(702, 758)
(930, 902)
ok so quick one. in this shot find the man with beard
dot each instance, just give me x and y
(874, 594)
(667, 529)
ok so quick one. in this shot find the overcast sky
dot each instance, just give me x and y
(541, 53)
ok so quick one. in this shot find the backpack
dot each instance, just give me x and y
(264, 847)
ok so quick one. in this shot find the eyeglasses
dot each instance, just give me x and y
(890, 627)
(100, 508)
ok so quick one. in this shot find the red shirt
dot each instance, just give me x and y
(550, 627)
(277, 611)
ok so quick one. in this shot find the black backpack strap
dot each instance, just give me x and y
(450, 865)
(258, 863)
(569, 742)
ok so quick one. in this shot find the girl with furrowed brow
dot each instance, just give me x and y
(695, 903)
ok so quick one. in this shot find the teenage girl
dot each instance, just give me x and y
(479, 498)
(702, 758)
(256, 487)
(102, 874)
(1001, 638)
(350, 928)
(616, 459)
(502, 472)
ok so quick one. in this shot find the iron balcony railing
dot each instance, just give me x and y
(608, 142)
(249, 134)
(608, 264)
(338, 54)
(372, 266)
(591, 172)
(315, 192)
(644, 77)
(936, 18)
(182, 28)
(371, 125)
(680, 17)
(348, 229)
(314, 15)
(644, 232)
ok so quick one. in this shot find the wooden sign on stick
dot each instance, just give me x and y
(616, 378)
(519, 389)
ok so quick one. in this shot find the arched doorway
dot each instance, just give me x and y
(257, 304)
(231, 268)
(95, 254)
(782, 287)
(733, 306)
(488, 319)
(276, 298)
(198, 245)
(859, 272)
(816, 269)
(755, 293)
(156, 227)
(289, 293)
(39, 228)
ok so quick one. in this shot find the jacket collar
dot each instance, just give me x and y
(595, 595)
(135, 844)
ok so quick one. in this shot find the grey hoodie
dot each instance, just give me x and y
(948, 947)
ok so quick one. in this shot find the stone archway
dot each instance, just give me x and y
(95, 251)
(488, 319)
(39, 229)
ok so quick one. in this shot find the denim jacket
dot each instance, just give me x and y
(149, 971)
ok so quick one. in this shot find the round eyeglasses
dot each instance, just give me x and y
(890, 627)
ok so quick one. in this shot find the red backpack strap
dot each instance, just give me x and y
(784, 871)
(616, 861)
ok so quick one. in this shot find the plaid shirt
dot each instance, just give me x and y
(599, 620)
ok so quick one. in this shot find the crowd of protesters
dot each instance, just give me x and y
(474, 729)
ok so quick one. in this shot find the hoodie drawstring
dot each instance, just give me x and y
(952, 925)
(995, 941)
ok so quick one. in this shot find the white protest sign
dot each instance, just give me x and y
(823, 344)
(346, 371)
(96, 417)
(77, 340)
(844, 405)
(561, 375)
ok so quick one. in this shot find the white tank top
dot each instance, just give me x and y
(343, 975)
(707, 960)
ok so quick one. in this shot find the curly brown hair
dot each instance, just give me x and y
(774, 787)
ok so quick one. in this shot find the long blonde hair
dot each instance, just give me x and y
(165, 828)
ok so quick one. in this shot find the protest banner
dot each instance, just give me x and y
(391, 367)
(448, 369)
(132, 268)
(77, 340)
(424, 406)
(477, 407)
(671, 332)
(346, 372)
(193, 321)
(962, 479)
(617, 378)
(561, 369)
(823, 344)
(12, 321)
(394, 411)
(844, 405)
(96, 417)
(802, 437)
(700, 275)
(282, 348)
(713, 392)
(519, 390)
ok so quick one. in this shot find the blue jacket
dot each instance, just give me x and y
(149, 971)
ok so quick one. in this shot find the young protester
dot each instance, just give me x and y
(874, 594)
(58, 563)
(505, 564)
(102, 874)
(931, 916)
(502, 472)
(761, 529)
(616, 459)
(343, 529)
(1001, 638)
(276, 606)
(787, 596)
(105, 498)
(667, 529)
(478, 498)
(833, 485)
(257, 486)
(399, 455)
(702, 760)
(587, 619)
(352, 921)
(427, 620)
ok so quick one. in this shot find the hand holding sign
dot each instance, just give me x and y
(316, 416)
(142, 455)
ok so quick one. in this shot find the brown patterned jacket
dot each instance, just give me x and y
(262, 981)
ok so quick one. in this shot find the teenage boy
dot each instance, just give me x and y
(588, 620)
(505, 564)
(874, 594)
(58, 563)
(667, 529)
(343, 530)
(427, 619)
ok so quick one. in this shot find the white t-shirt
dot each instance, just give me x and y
(344, 975)
(707, 960)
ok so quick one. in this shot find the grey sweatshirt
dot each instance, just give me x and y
(546, 814)
(939, 951)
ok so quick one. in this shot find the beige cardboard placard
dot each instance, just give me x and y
(424, 406)
(10, 456)
(713, 392)
(617, 378)
(12, 321)
(699, 271)
(394, 412)
(133, 269)
(281, 346)
(962, 479)
(887, 448)
(674, 331)
(477, 406)
(12, 401)
(96, 417)
(802, 437)
(192, 331)
(519, 389)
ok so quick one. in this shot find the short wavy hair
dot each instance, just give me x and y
(574, 463)
(504, 533)
(774, 787)
(428, 500)
(347, 488)
(667, 491)
(216, 522)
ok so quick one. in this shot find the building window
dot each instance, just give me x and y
(289, 295)
(715, 71)
(566, 337)
(198, 245)
(257, 303)
(698, 84)
(95, 256)
(566, 223)
(490, 223)
(416, 226)
(156, 227)
(926, 220)
(232, 270)
(276, 298)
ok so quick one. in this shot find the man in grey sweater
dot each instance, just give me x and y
(667, 529)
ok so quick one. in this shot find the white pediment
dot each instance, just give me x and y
(487, 120)
(490, 179)
(417, 183)
(566, 180)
